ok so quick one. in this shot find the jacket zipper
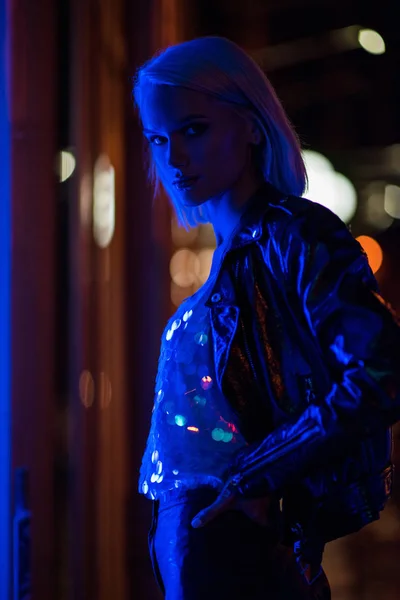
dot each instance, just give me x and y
(245, 340)
(283, 447)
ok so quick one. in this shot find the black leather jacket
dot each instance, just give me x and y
(308, 355)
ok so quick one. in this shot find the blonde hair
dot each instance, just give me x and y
(219, 67)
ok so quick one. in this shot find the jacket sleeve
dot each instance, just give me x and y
(336, 294)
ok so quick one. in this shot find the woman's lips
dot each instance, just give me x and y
(184, 184)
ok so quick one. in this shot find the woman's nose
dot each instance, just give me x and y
(177, 157)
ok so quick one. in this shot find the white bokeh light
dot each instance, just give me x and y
(345, 197)
(371, 41)
(103, 201)
(66, 165)
(374, 211)
(392, 201)
(315, 161)
(328, 187)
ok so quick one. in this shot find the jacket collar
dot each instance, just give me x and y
(250, 226)
(248, 231)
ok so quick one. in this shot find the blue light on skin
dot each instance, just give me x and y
(5, 259)
(194, 135)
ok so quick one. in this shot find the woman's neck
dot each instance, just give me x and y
(226, 210)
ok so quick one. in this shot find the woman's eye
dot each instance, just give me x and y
(190, 131)
(196, 129)
(157, 140)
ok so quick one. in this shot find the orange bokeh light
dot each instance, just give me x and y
(373, 251)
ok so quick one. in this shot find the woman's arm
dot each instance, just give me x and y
(360, 339)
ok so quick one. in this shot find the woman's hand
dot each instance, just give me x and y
(229, 499)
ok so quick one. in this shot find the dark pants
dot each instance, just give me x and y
(231, 558)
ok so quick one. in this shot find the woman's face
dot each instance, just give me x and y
(200, 146)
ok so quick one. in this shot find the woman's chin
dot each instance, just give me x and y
(193, 200)
(194, 204)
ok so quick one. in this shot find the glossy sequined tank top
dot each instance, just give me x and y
(194, 432)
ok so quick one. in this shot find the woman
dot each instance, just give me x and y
(278, 379)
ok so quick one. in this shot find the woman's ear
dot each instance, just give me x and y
(255, 133)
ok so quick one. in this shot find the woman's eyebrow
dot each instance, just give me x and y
(191, 117)
(181, 122)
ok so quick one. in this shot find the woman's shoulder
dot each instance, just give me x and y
(300, 217)
(299, 207)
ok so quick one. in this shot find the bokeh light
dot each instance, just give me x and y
(315, 161)
(373, 251)
(392, 201)
(103, 201)
(86, 389)
(345, 203)
(373, 209)
(184, 267)
(328, 187)
(66, 164)
(371, 41)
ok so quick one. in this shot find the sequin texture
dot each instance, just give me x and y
(193, 433)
